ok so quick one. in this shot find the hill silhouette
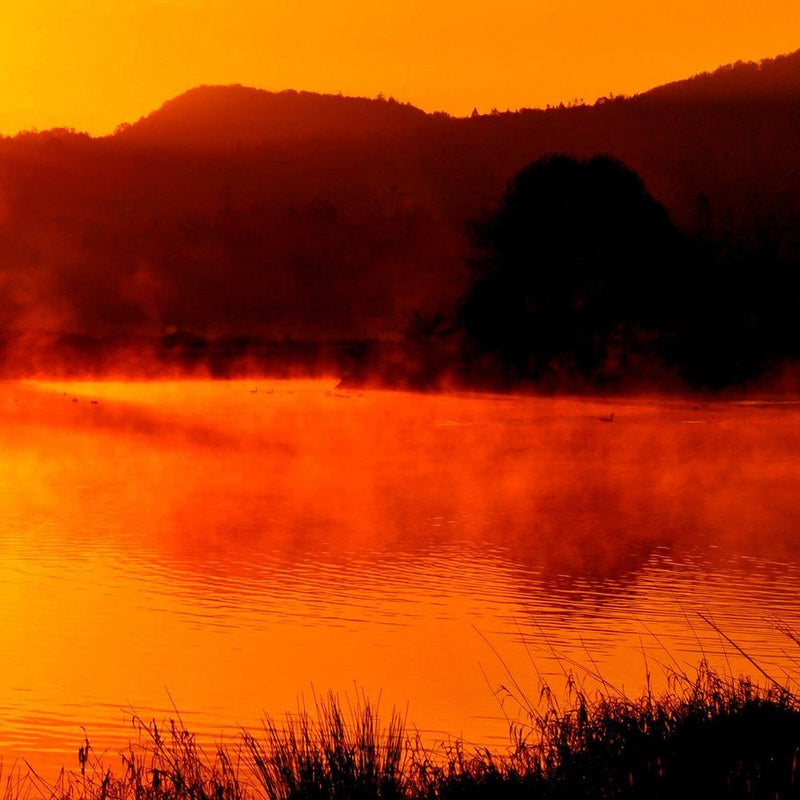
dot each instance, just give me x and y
(236, 215)
(210, 117)
(770, 79)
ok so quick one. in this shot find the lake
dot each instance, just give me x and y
(226, 550)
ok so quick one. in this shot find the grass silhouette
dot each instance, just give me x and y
(708, 735)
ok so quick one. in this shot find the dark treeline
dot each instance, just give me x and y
(237, 215)
(582, 279)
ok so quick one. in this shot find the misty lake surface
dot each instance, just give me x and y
(228, 549)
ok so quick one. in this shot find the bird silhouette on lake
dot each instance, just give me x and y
(609, 418)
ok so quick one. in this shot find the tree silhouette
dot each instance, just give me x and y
(577, 271)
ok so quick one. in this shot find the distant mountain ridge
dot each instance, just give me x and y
(218, 116)
(223, 116)
(770, 78)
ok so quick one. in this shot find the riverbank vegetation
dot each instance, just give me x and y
(707, 735)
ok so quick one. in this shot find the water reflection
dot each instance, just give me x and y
(231, 549)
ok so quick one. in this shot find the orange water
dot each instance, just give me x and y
(232, 547)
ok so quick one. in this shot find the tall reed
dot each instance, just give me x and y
(709, 735)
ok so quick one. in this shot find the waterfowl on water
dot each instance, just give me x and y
(609, 418)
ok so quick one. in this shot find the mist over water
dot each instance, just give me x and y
(231, 546)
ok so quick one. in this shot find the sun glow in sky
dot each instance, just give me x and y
(92, 65)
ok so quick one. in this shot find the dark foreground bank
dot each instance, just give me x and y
(708, 736)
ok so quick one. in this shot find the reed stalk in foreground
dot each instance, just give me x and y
(708, 736)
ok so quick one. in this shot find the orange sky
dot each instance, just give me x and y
(91, 64)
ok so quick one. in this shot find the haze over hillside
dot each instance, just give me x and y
(233, 211)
